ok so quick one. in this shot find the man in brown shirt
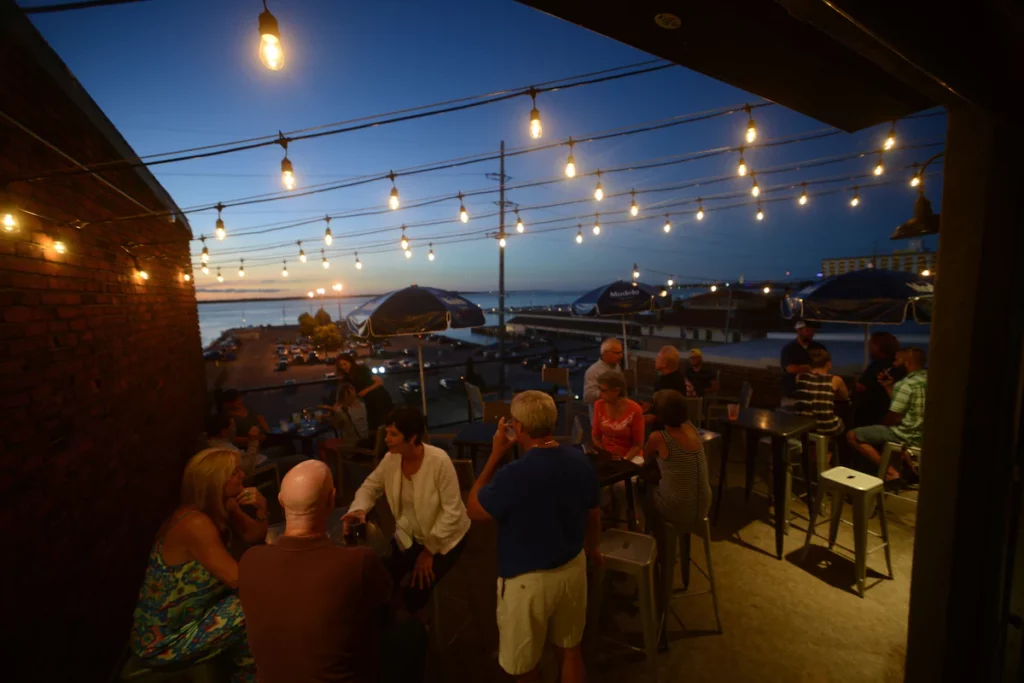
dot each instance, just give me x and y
(310, 606)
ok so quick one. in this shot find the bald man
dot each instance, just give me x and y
(310, 605)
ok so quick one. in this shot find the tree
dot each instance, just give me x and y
(306, 324)
(322, 317)
(327, 336)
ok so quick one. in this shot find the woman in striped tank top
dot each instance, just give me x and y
(816, 393)
(683, 494)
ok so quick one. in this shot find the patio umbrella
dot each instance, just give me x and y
(622, 298)
(864, 297)
(414, 310)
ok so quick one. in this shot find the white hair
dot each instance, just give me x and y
(606, 345)
(536, 412)
(670, 354)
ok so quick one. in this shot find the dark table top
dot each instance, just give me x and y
(773, 423)
(613, 471)
(476, 434)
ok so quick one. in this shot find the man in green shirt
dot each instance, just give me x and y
(904, 423)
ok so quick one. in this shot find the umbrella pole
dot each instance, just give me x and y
(867, 336)
(423, 383)
(625, 346)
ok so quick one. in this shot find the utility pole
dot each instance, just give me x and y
(501, 279)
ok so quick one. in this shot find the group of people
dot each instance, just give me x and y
(888, 399)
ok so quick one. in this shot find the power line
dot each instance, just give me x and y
(69, 6)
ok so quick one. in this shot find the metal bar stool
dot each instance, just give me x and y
(677, 547)
(891, 448)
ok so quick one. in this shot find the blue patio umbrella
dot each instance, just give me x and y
(622, 298)
(414, 310)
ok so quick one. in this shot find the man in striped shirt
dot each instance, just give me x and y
(904, 423)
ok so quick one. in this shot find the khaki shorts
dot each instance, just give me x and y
(539, 607)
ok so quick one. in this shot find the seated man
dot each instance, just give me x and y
(666, 364)
(310, 605)
(699, 378)
(904, 423)
(546, 506)
(220, 432)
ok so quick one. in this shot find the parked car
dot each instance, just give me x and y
(454, 385)
(312, 357)
(409, 364)
(410, 391)
(330, 375)
(297, 358)
(281, 366)
(213, 354)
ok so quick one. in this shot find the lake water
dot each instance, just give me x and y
(215, 318)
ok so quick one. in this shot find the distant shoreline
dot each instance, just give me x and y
(362, 296)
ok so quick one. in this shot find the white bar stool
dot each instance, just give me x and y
(677, 547)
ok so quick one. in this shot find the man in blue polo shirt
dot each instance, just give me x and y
(546, 505)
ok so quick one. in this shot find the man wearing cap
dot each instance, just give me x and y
(796, 358)
(701, 379)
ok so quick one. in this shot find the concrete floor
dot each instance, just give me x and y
(782, 620)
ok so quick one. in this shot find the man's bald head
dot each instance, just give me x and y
(307, 489)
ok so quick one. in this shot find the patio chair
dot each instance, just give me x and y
(475, 401)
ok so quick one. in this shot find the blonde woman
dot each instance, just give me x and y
(188, 608)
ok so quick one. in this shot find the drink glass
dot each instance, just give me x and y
(297, 418)
(284, 425)
(734, 410)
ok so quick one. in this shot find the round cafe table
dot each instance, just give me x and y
(305, 431)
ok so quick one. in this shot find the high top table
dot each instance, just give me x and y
(780, 427)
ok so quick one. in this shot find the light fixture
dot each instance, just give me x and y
(323, 260)
(284, 271)
(856, 197)
(579, 234)
(636, 272)
(8, 219)
(598, 191)
(241, 268)
(671, 282)
(926, 272)
(767, 289)
(205, 256)
(139, 271)
(519, 223)
(803, 195)
(287, 171)
(915, 179)
(751, 128)
(187, 277)
(408, 253)
(337, 286)
(760, 214)
(271, 53)
(879, 167)
(220, 278)
(359, 264)
(501, 241)
(302, 254)
(597, 224)
(741, 168)
(700, 209)
(328, 237)
(714, 288)
(393, 199)
(924, 222)
(430, 254)
(890, 140)
(633, 208)
(206, 269)
(668, 224)
(320, 291)
(463, 215)
(59, 246)
(310, 294)
(536, 129)
(570, 164)
(404, 243)
(755, 191)
(219, 230)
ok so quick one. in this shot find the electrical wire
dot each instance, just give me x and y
(69, 6)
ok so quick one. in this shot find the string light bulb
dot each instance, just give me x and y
(405, 242)
(751, 128)
(767, 289)
(501, 241)
(310, 294)
(926, 272)
(206, 269)
(741, 168)
(302, 254)
(760, 214)
(714, 288)
(597, 224)
(915, 179)
(636, 272)
(430, 254)
(408, 253)
(755, 191)
(219, 229)
(59, 246)
(579, 234)
(323, 260)
(187, 277)
(879, 167)
(270, 50)
(634, 210)
(668, 224)
(536, 129)
(598, 191)
(463, 214)
(241, 268)
(220, 278)
(337, 287)
(803, 195)
(393, 199)
(8, 220)
(287, 172)
(700, 209)
(205, 256)
(856, 197)
(520, 228)
(328, 237)
(570, 164)
(890, 140)
(359, 264)
(670, 282)
(284, 270)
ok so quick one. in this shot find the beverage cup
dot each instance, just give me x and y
(284, 425)
(297, 418)
(734, 410)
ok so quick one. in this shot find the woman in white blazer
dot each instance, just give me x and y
(422, 489)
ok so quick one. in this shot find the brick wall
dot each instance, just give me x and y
(101, 385)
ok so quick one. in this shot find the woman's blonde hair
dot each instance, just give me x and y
(202, 484)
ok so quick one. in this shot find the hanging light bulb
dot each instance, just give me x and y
(310, 294)
(359, 264)
(570, 164)
(754, 189)
(206, 269)
(408, 253)
(751, 128)
(670, 282)
(741, 168)
(501, 241)
(219, 230)
(714, 288)
(284, 271)
(636, 272)
(856, 197)
(8, 220)
(579, 234)
(803, 195)
(271, 53)
(205, 256)
(668, 224)
(700, 209)
(323, 260)
(302, 254)
(241, 268)
(519, 223)
(404, 242)
(633, 208)
(187, 277)
(597, 224)
(598, 191)
(879, 167)
(536, 129)
(890, 140)
(915, 179)
(220, 278)
(328, 237)
(139, 271)
(760, 214)
(393, 199)
(287, 171)
(767, 289)
(463, 214)
(430, 254)
(59, 246)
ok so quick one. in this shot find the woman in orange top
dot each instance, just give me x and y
(618, 421)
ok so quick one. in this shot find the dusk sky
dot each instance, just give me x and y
(173, 74)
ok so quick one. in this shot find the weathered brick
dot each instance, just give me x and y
(18, 314)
